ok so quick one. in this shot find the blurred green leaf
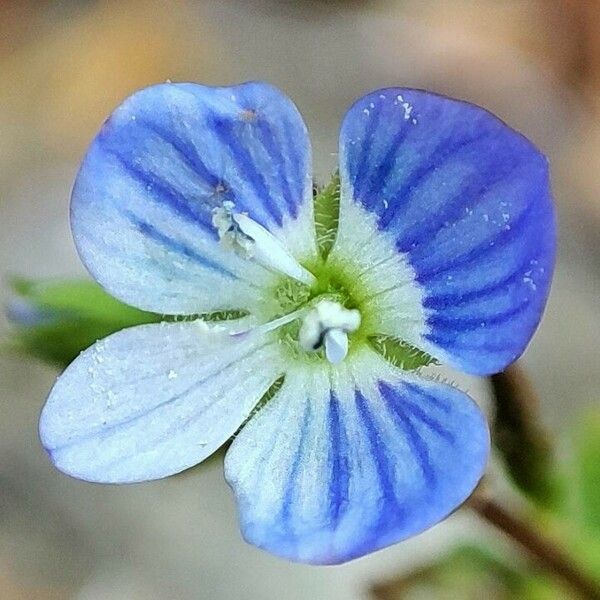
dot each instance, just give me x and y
(56, 320)
(470, 572)
(580, 514)
(587, 471)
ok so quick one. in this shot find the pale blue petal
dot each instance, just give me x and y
(142, 202)
(329, 472)
(466, 201)
(153, 400)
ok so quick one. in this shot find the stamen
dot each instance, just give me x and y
(328, 324)
(250, 240)
(271, 325)
(230, 233)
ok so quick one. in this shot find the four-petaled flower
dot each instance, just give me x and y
(436, 241)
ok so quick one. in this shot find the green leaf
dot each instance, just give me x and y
(327, 215)
(401, 354)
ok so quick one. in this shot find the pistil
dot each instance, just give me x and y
(327, 325)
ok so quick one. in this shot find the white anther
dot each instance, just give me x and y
(230, 232)
(328, 324)
(250, 239)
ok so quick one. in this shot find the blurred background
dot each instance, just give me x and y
(65, 65)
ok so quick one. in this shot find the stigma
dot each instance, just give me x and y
(327, 325)
(250, 240)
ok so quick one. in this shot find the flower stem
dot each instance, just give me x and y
(535, 544)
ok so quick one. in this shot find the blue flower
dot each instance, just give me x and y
(199, 201)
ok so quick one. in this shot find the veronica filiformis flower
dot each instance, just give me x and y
(304, 341)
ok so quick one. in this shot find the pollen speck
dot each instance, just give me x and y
(248, 115)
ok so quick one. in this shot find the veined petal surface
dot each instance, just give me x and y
(461, 205)
(141, 209)
(153, 400)
(344, 461)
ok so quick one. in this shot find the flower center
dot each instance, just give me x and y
(327, 325)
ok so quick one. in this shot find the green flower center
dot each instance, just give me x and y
(338, 284)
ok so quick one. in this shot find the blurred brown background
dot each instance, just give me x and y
(64, 65)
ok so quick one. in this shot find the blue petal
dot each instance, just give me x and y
(324, 474)
(142, 202)
(153, 400)
(467, 201)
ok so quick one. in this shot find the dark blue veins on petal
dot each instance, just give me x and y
(170, 155)
(287, 502)
(467, 201)
(175, 246)
(161, 192)
(391, 510)
(441, 154)
(338, 488)
(273, 148)
(225, 131)
(380, 465)
(488, 289)
(214, 144)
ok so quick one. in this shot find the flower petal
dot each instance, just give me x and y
(460, 207)
(143, 199)
(153, 400)
(342, 463)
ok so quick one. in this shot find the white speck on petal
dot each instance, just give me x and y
(172, 374)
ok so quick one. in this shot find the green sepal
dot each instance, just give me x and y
(327, 215)
(401, 354)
